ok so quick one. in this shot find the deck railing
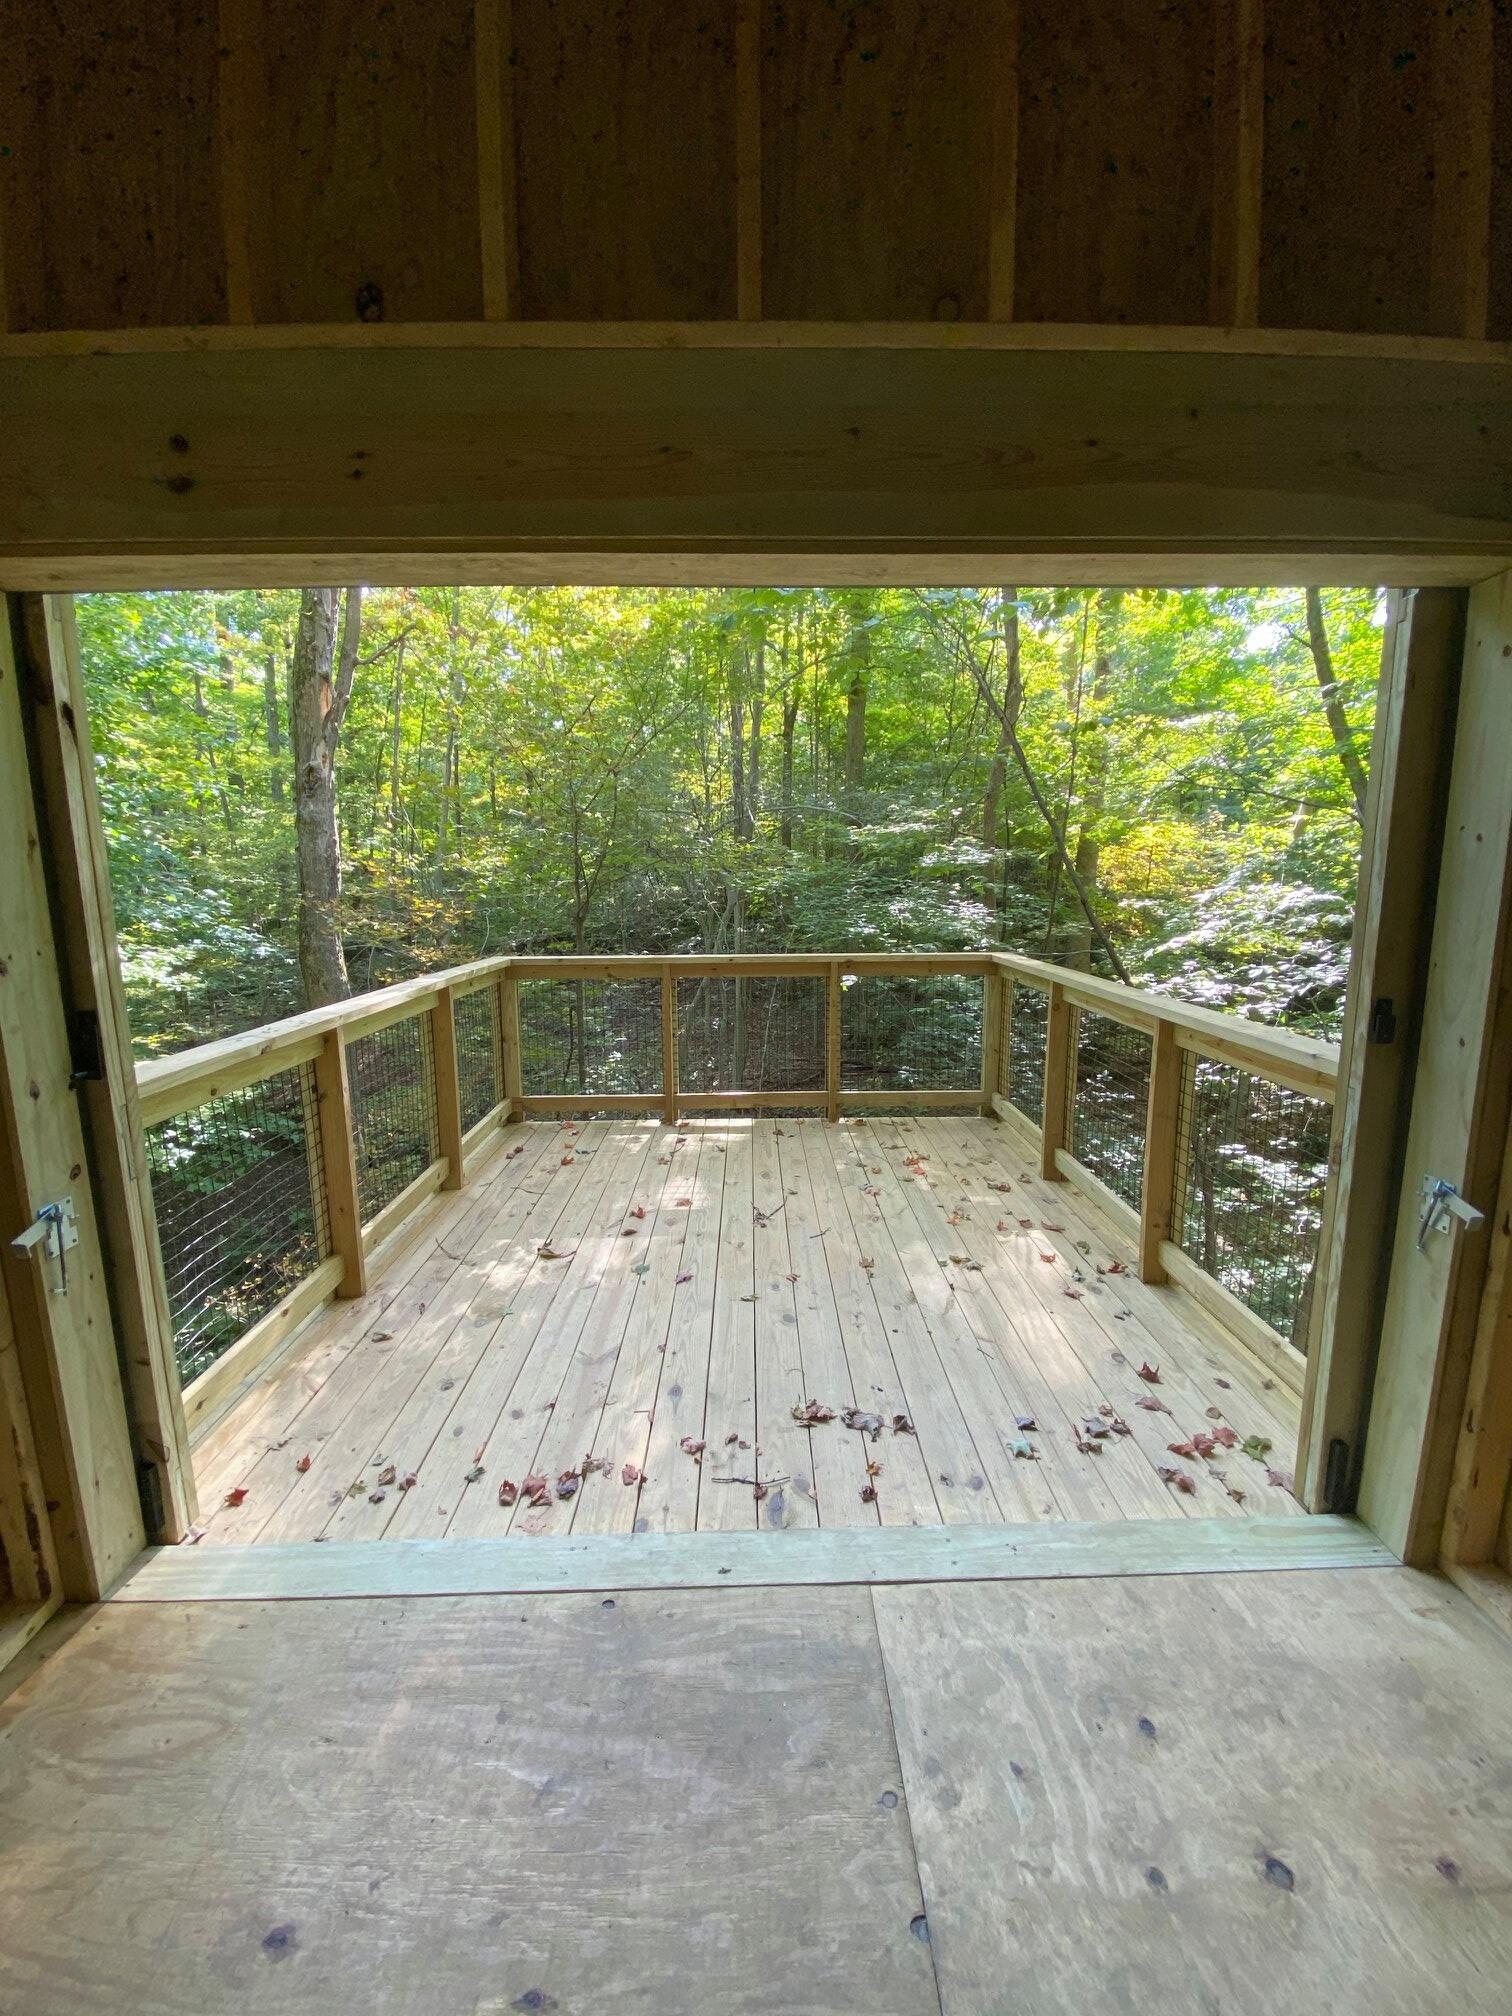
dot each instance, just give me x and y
(283, 1158)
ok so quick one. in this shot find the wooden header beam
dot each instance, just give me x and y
(464, 459)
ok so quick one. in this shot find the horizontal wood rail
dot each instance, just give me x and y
(521, 1075)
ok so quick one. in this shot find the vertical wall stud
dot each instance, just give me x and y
(994, 990)
(1053, 1111)
(343, 1205)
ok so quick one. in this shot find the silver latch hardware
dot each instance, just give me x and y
(1442, 1204)
(54, 1232)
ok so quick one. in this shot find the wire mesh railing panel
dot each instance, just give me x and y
(755, 1034)
(1252, 1168)
(1021, 1060)
(393, 1109)
(590, 1037)
(480, 1061)
(1110, 1091)
(238, 1186)
(914, 1033)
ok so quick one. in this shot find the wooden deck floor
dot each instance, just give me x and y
(614, 1290)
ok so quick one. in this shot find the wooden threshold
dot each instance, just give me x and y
(328, 1570)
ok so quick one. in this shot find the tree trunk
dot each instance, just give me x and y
(273, 728)
(859, 652)
(322, 687)
(995, 889)
(1333, 706)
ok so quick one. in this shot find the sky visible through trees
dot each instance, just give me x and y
(311, 791)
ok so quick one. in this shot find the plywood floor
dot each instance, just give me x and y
(612, 1290)
(1244, 1794)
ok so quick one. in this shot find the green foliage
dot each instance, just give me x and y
(665, 770)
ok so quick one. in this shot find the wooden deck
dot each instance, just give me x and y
(615, 1290)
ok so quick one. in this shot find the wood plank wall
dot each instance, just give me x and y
(1229, 162)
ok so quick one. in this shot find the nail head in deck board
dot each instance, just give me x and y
(1354, 1729)
(667, 1806)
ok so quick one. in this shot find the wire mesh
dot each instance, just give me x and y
(480, 1061)
(751, 1034)
(915, 1033)
(393, 1109)
(1110, 1091)
(238, 1185)
(1252, 1163)
(590, 1036)
(1021, 1061)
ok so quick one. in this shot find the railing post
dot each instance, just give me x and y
(443, 1023)
(669, 1045)
(994, 987)
(338, 1155)
(1157, 1195)
(832, 1043)
(509, 1045)
(1053, 1101)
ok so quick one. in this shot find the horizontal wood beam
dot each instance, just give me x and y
(150, 463)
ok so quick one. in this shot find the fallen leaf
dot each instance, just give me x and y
(304, 1463)
(550, 1253)
(1072, 1294)
(1000, 1186)
(1086, 1446)
(1258, 1446)
(733, 1438)
(376, 1497)
(1116, 1267)
(868, 1265)
(792, 1277)
(813, 1413)
(1022, 1447)
(1025, 1422)
(594, 1464)
(237, 1494)
(1047, 1256)
(868, 1494)
(1182, 1448)
(1151, 1404)
(380, 1336)
(1223, 1383)
(1150, 1372)
(408, 1481)
(632, 1473)
(1027, 1224)
(758, 1492)
(1225, 1437)
(474, 1474)
(870, 1190)
(565, 1160)
(1003, 1225)
(901, 1425)
(873, 1469)
(691, 1448)
(685, 1276)
(1282, 1479)
(684, 1203)
(1182, 1479)
(388, 1474)
(1048, 1225)
(862, 1422)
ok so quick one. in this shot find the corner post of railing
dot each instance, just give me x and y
(1157, 1196)
(448, 1087)
(669, 1044)
(338, 1154)
(832, 1043)
(509, 1045)
(994, 991)
(1055, 1096)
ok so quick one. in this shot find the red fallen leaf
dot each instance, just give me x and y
(304, 1463)
(954, 1218)
(1000, 1186)
(1087, 1447)
(1027, 1224)
(868, 1264)
(1047, 1226)
(1204, 1443)
(388, 1473)
(1183, 1481)
(1225, 1437)
(1282, 1479)
(537, 1491)
(567, 1483)
(1047, 1256)
(868, 1494)
(733, 1438)
(639, 1211)
(1073, 1294)
(1003, 1225)
(1213, 1413)
(632, 1473)
(515, 1151)
(1115, 1267)
(870, 1190)
(1223, 1383)
(684, 1203)
(1120, 1426)
(691, 1448)
(901, 1425)
(813, 1413)
(758, 1492)
(1151, 1405)
(1150, 1372)
(509, 1491)
(593, 1464)
(376, 1497)
(1182, 1448)
(408, 1481)
(236, 1494)
(566, 1159)
(790, 1277)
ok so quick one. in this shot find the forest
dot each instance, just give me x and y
(313, 792)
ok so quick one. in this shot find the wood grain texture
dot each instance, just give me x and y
(1278, 1792)
(1084, 451)
(107, 200)
(652, 1805)
(1347, 210)
(877, 141)
(363, 187)
(625, 119)
(1115, 179)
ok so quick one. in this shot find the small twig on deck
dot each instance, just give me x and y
(768, 1481)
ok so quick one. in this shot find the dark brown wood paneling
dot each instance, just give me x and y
(625, 121)
(876, 148)
(1501, 174)
(363, 177)
(1347, 213)
(107, 197)
(1115, 174)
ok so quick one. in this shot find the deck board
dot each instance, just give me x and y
(475, 1349)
